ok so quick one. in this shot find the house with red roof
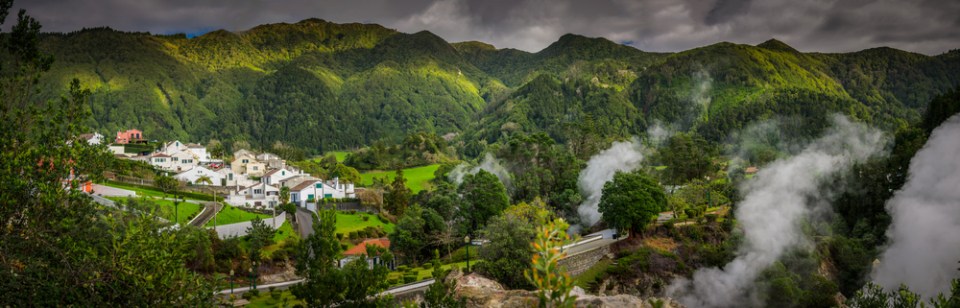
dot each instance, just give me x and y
(361, 250)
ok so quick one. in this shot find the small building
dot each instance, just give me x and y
(309, 191)
(191, 176)
(256, 195)
(276, 176)
(361, 250)
(242, 159)
(92, 139)
(751, 170)
(128, 136)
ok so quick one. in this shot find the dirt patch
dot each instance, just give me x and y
(661, 243)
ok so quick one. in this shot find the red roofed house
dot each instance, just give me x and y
(131, 135)
(361, 249)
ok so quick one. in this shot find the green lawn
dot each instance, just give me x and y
(140, 191)
(417, 178)
(230, 215)
(426, 272)
(586, 278)
(347, 222)
(167, 210)
(285, 231)
(341, 155)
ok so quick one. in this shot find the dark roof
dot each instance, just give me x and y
(303, 185)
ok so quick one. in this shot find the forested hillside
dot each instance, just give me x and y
(322, 86)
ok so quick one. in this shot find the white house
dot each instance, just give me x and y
(160, 160)
(200, 152)
(232, 178)
(244, 162)
(93, 139)
(259, 195)
(276, 176)
(191, 176)
(311, 190)
(272, 161)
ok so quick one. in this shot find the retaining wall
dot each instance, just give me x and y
(581, 262)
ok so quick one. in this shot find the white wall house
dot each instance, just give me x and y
(200, 152)
(242, 159)
(276, 176)
(93, 139)
(232, 178)
(308, 191)
(256, 195)
(191, 176)
(161, 161)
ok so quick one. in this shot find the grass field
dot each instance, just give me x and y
(230, 215)
(285, 231)
(417, 178)
(590, 275)
(426, 271)
(167, 210)
(347, 222)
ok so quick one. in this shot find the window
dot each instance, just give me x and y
(187, 161)
(245, 161)
(258, 191)
(318, 186)
(283, 173)
(176, 159)
(254, 168)
(230, 176)
(310, 197)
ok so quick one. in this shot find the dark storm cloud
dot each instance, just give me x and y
(926, 26)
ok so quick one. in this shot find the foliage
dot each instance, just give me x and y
(508, 253)
(552, 282)
(418, 178)
(873, 296)
(418, 231)
(398, 195)
(325, 284)
(57, 247)
(261, 235)
(440, 294)
(687, 157)
(631, 201)
(483, 197)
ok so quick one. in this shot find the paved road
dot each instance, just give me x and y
(419, 286)
(304, 222)
(209, 209)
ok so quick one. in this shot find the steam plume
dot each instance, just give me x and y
(925, 231)
(777, 199)
(489, 164)
(621, 156)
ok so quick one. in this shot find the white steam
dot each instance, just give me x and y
(925, 231)
(621, 156)
(489, 164)
(701, 89)
(776, 201)
(658, 133)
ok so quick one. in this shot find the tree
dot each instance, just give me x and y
(631, 201)
(508, 252)
(167, 184)
(407, 238)
(261, 235)
(483, 197)
(553, 283)
(398, 196)
(326, 285)
(687, 157)
(316, 262)
(215, 147)
(57, 246)
(440, 294)
(284, 195)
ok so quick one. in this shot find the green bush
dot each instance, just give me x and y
(339, 236)
(409, 278)
(365, 218)
(393, 281)
(402, 268)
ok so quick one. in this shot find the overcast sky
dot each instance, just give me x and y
(924, 26)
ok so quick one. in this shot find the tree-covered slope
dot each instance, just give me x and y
(321, 86)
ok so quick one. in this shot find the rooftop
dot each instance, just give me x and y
(361, 248)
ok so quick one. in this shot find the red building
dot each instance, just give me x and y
(131, 135)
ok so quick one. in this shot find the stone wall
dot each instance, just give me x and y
(581, 262)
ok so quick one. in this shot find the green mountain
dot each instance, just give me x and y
(321, 86)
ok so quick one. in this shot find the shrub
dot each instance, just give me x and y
(344, 246)
(393, 281)
(402, 268)
(339, 236)
(247, 295)
(409, 278)
(365, 218)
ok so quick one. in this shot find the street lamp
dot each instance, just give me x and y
(231, 281)
(466, 239)
(253, 284)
